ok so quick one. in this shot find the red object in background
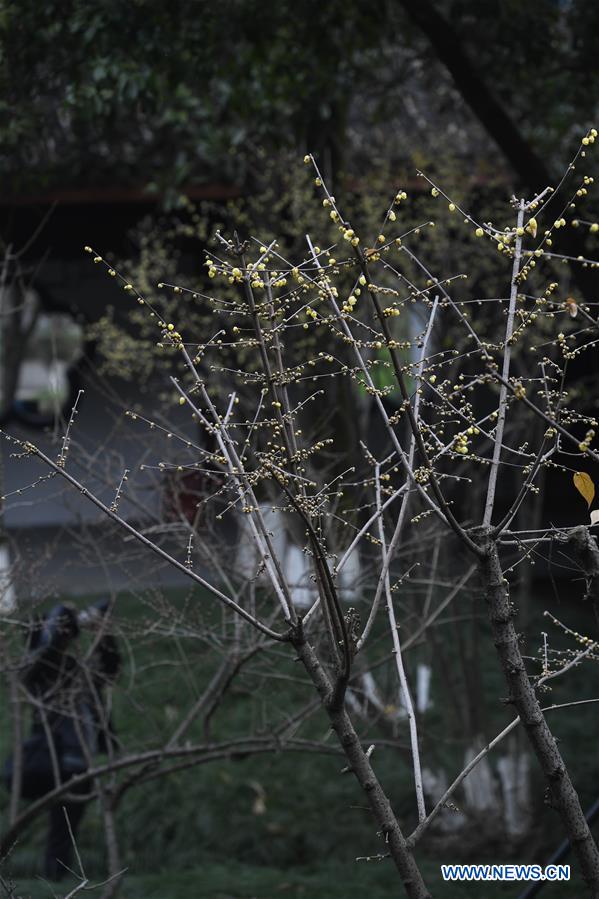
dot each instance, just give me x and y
(183, 490)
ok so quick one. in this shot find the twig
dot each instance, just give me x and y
(507, 355)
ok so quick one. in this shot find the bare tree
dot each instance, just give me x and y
(463, 424)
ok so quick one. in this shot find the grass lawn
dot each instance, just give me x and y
(237, 881)
(183, 830)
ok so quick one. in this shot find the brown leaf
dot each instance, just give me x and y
(572, 307)
(584, 484)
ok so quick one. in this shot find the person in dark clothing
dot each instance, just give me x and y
(70, 719)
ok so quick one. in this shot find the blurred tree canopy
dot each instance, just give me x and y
(168, 92)
(157, 94)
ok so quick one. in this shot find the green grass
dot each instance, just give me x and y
(325, 881)
(197, 833)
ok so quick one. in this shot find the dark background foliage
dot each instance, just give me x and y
(113, 110)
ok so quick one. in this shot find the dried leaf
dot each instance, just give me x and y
(584, 484)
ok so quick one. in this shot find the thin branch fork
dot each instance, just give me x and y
(401, 673)
(424, 825)
(540, 414)
(202, 754)
(451, 520)
(237, 472)
(507, 355)
(389, 427)
(33, 450)
(396, 536)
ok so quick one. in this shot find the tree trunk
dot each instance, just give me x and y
(562, 795)
(361, 768)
